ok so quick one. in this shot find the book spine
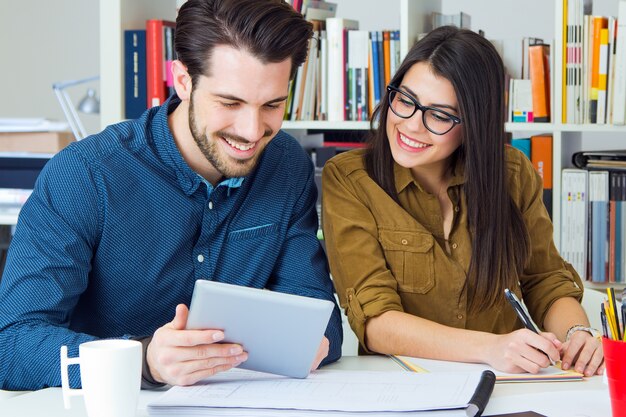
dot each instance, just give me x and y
(540, 81)
(154, 62)
(541, 157)
(135, 95)
(387, 56)
(619, 86)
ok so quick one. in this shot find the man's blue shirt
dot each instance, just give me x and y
(118, 229)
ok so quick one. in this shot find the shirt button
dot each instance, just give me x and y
(456, 209)
(460, 316)
(405, 242)
(210, 205)
(200, 258)
(454, 246)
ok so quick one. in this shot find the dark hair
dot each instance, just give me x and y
(271, 30)
(501, 244)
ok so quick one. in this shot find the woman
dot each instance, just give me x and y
(428, 226)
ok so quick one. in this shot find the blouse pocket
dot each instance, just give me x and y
(409, 255)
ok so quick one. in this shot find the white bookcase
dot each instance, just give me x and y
(497, 18)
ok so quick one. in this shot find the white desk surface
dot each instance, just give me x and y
(588, 398)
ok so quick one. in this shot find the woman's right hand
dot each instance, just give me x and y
(522, 351)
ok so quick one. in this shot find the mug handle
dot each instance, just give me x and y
(65, 384)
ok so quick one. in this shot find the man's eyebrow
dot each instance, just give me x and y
(439, 105)
(235, 98)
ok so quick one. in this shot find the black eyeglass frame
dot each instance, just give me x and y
(393, 89)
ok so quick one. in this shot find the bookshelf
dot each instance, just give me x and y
(505, 21)
(115, 17)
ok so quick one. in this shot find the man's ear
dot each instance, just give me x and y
(182, 80)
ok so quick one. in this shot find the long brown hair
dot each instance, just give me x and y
(501, 244)
(270, 30)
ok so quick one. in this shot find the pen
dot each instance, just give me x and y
(624, 319)
(523, 316)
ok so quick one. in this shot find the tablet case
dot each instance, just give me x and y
(281, 332)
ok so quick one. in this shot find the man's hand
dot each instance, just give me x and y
(322, 352)
(176, 356)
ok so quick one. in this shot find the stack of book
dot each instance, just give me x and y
(594, 215)
(594, 85)
(148, 57)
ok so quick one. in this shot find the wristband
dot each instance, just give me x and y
(579, 327)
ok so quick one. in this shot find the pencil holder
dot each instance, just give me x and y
(615, 361)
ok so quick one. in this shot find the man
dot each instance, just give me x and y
(120, 225)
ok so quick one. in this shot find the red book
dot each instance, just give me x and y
(155, 61)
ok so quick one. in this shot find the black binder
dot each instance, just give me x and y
(479, 400)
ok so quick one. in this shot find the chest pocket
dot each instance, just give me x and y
(409, 255)
(253, 232)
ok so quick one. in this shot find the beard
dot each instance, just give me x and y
(228, 166)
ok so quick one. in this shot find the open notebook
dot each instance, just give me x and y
(549, 374)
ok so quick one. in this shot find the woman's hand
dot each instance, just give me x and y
(584, 352)
(523, 351)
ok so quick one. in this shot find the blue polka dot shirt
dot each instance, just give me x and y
(118, 229)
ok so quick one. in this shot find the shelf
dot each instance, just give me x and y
(530, 127)
(604, 285)
(592, 128)
(325, 125)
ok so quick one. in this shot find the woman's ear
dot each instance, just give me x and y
(182, 80)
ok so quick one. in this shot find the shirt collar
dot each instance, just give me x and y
(187, 178)
(231, 183)
(403, 177)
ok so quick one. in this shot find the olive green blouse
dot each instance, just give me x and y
(384, 256)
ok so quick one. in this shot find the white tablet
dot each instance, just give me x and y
(281, 332)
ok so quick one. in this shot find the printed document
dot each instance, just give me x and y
(345, 393)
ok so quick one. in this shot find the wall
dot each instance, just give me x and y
(42, 42)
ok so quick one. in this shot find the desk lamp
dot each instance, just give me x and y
(89, 104)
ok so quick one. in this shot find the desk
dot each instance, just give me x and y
(588, 398)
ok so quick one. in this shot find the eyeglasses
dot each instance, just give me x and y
(435, 120)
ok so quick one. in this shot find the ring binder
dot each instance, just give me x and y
(479, 400)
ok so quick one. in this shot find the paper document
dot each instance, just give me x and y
(31, 125)
(346, 393)
(549, 374)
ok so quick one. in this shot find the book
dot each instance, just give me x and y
(426, 366)
(156, 75)
(526, 42)
(574, 205)
(523, 144)
(619, 84)
(539, 68)
(602, 76)
(521, 99)
(335, 27)
(135, 82)
(598, 245)
(541, 157)
(610, 159)
(598, 23)
(358, 49)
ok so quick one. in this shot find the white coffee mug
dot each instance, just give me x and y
(110, 373)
